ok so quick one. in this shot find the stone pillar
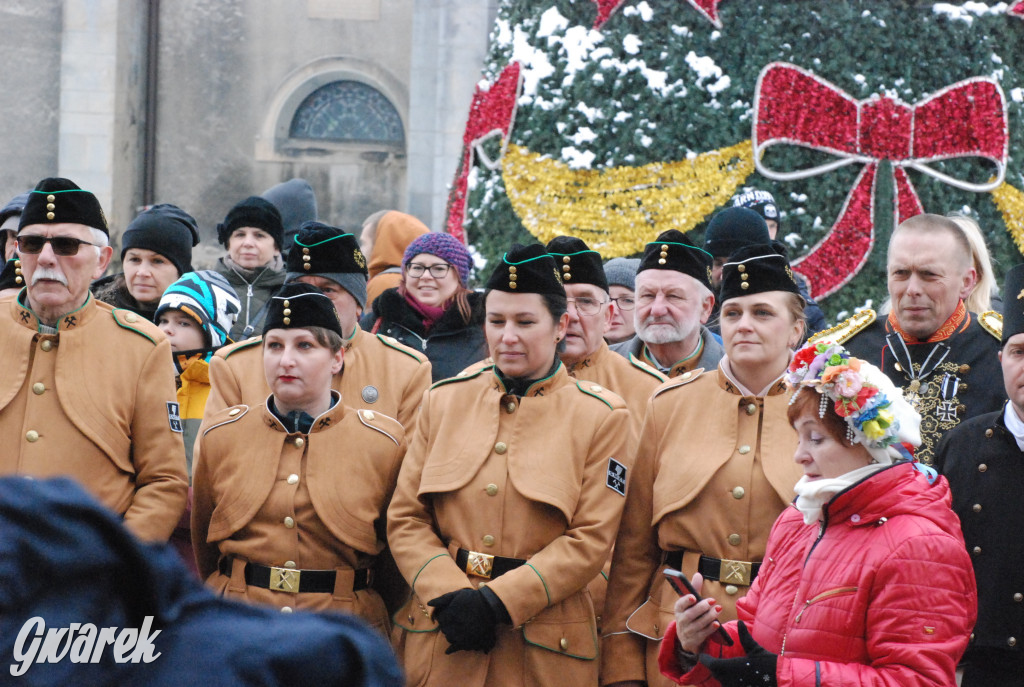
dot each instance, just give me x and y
(449, 46)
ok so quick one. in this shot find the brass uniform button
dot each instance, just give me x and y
(735, 539)
(685, 375)
(899, 368)
(1018, 597)
(289, 564)
(744, 450)
(368, 414)
(491, 489)
(299, 442)
(596, 387)
(982, 468)
(564, 643)
(46, 345)
(1012, 641)
(289, 522)
(488, 540)
(731, 589)
(293, 479)
(131, 318)
(50, 198)
(964, 369)
(50, 215)
(751, 408)
(234, 411)
(738, 492)
(510, 407)
(32, 436)
(500, 448)
(39, 388)
(976, 508)
(988, 433)
(976, 550)
(286, 609)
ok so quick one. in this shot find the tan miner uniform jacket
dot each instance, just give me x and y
(95, 402)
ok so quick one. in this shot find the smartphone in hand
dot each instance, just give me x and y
(682, 585)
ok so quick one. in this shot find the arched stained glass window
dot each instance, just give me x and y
(348, 112)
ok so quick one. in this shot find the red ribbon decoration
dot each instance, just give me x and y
(605, 9)
(1016, 9)
(794, 107)
(491, 113)
(709, 8)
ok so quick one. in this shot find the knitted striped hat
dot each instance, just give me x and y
(207, 297)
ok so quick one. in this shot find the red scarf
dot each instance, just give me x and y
(430, 314)
(957, 321)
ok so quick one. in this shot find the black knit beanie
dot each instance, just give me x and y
(256, 212)
(165, 229)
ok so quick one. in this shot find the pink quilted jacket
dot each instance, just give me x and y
(880, 594)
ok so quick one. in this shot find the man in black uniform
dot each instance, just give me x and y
(944, 358)
(983, 459)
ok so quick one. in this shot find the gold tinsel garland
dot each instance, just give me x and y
(1010, 202)
(617, 210)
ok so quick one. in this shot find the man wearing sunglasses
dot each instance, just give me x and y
(89, 389)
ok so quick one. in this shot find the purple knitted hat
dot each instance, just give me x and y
(444, 246)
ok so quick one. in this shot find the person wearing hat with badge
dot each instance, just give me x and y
(508, 501)
(713, 471)
(983, 459)
(253, 233)
(378, 374)
(673, 301)
(290, 492)
(156, 249)
(89, 389)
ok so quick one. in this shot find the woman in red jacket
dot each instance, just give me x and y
(866, 579)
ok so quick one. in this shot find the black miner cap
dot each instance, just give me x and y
(1013, 302)
(671, 251)
(526, 269)
(301, 305)
(325, 251)
(756, 269)
(61, 201)
(256, 212)
(579, 264)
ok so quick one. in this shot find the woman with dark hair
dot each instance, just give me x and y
(432, 309)
(866, 581)
(501, 516)
(713, 470)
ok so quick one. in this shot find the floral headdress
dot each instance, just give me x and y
(876, 414)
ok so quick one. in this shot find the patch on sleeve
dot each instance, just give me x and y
(616, 476)
(174, 416)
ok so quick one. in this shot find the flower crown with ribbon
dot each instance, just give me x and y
(876, 414)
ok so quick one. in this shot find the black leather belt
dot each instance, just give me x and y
(717, 569)
(295, 581)
(485, 565)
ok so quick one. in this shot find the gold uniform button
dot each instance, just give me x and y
(46, 345)
(500, 448)
(735, 539)
(299, 442)
(731, 589)
(289, 522)
(510, 407)
(988, 433)
(1018, 597)
(1012, 641)
(976, 550)
(293, 479)
(234, 411)
(289, 564)
(982, 468)
(286, 609)
(39, 388)
(596, 387)
(369, 415)
(50, 215)
(685, 375)
(738, 492)
(488, 540)
(976, 508)
(32, 436)
(131, 318)
(491, 489)
(744, 450)
(564, 643)
(50, 198)
(751, 409)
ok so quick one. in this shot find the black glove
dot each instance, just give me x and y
(466, 619)
(756, 669)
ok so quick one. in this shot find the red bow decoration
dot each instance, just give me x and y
(605, 9)
(491, 113)
(794, 107)
(709, 8)
(1016, 9)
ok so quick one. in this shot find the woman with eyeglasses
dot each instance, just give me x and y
(714, 469)
(156, 249)
(432, 310)
(508, 500)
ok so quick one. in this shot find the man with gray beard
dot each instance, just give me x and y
(88, 390)
(673, 301)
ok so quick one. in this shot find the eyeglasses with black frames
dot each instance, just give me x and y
(438, 271)
(65, 246)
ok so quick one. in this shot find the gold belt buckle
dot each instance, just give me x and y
(735, 572)
(285, 580)
(479, 564)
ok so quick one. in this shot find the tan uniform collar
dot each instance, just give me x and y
(323, 421)
(593, 360)
(777, 387)
(24, 316)
(687, 364)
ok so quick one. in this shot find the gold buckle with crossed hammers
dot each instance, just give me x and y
(735, 572)
(285, 580)
(479, 564)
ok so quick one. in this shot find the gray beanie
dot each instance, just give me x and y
(622, 272)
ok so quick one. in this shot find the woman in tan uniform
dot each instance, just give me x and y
(713, 471)
(290, 495)
(508, 502)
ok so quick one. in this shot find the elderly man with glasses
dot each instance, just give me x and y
(89, 390)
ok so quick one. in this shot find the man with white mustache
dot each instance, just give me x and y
(673, 301)
(89, 391)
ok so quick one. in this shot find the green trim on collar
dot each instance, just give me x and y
(595, 395)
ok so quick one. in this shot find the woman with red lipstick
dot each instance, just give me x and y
(508, 502)
(867, 581)
(714, 469)
(290, 495)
